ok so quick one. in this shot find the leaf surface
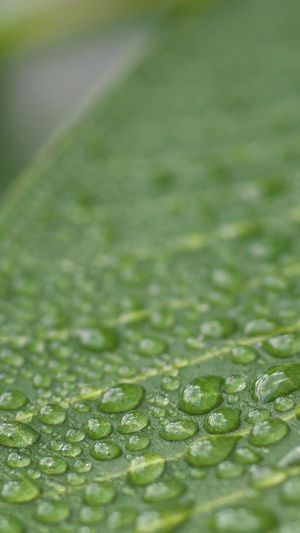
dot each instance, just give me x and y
(150, 295)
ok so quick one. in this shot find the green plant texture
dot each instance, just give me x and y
(150, 328)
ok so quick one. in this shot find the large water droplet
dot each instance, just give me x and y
(51, 511)
(219, 328)
(283, 345)
(97, 427)
(260, 326)
(268, 432)
(106, 451)
(201, 395)
(137, 442)
(275, 381)
(222, 420)
(10, 524)
(133, 422)
(19, 491)
(152, 346)
(179, 430)
(18, 460)
(243, 520)
(52, 465)
(98, 340)
(51, 414)
(12, 399)
(291, 491)
(210, 451)
(121, 398)
(165, 520)
(146, 468)
(17, 435)
(89, 515)
(242, 355)
(99, 493)
(166, 489)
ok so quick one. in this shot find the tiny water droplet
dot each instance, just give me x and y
(219, 328)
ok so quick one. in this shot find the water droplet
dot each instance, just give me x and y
(133, 422)
(10, 524)
(18, 460)
(19, 491)
(70, 450)
(146, 468)
(242, 355)
(106, 451)
(163, 520)
(121, 398)
(253, 520)
(89, 515)
(152, 346)
(228, 469)
(282, 404)
(222, 420)
(201, 395)
(257, 415)
(137, 442)
(17, 435)
(97, 427)
(12, 399)
(260, 326)
(98, 340)
(51, 414)
(283, 345)
(74, 435)
(52, 465)
(210, 450)
(99, 493)
(170, 383)
(275, 381)
(246, 456)
(268, 432)
(235, 384)
(51, 511)
(166, 489)
(179, 430)
(291, 490)
(122, 518)
(220, 328)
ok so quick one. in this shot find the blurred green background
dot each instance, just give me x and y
(55, 54)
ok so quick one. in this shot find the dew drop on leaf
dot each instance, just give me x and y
(51, 511)
(166, 489)
(145, 468)
(282, 346)
(201, 395)
(19, 491)
(51, 414)
(17, 435)
(222, 420)
(275, 381)
(243, 520)
(210, 450)
(121, 398)
(99, 493)
(220, 328)
(97, 427)
(179, 430)
(12, 399)
(133, 422)
(268, 432)
(106, 451)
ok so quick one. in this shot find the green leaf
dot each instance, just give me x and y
(150, 295)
